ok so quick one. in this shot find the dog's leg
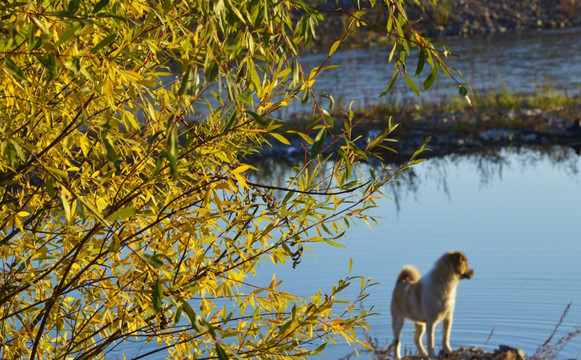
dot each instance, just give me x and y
(420, 329)
(431, 327)
(397, 324)
(446, 330)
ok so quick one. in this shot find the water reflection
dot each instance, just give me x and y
(488, 165)
(514, 211)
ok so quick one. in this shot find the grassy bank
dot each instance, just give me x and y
(545, 110)
(498, 118)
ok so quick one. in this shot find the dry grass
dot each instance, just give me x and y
(550, 350)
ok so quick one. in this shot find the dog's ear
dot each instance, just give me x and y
(458, 257)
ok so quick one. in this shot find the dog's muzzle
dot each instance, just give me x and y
(468, 274)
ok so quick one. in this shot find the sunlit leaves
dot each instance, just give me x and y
(121, 214)
(405, 38)
(128, 135)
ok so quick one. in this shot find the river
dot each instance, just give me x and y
(520, 63)
(513, 211)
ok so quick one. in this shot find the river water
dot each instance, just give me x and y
(521, 63)
(514, 212)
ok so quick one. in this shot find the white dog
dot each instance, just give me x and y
(428, 300)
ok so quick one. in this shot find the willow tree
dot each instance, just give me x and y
(127, 208)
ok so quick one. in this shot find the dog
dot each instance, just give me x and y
(428, 300)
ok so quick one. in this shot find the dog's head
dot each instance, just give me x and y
(459, 262)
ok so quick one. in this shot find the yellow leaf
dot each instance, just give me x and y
(280, 138)
(241, 181)
(264, 107)
(132, 75)
(241, 169)
(108, 89)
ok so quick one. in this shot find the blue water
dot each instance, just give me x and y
(515, 213)
(522, 63)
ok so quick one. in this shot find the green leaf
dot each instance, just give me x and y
(154, 260)
(431, 78)
(158, 166)
(172, 148)
(101, 4)
(115, 244)
(411, 84)
(50, 188)
(40, 25)
(221, 353)
(462, 90)
(347, 174)
(462, 76)
(50, 63)
(421, 62)
(61, 173)
(106, 41)
(306, 95)
(184, 82)
(230, 122)
(16, 71)
(191, 315)
(331, 100)
(319, 141)
(259, 119)
(110, 153)
(320, 348)
(157, 295)
(295, 71)
(178, 314)
(121, 214)
(73, 7)
(390, 85)
(67, 35)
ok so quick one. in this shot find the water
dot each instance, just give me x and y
(523, 63)
(514, 212)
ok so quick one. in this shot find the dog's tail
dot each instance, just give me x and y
(408, 274)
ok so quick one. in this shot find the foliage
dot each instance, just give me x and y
(127, 209)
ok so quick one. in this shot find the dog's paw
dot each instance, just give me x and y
(445, 351)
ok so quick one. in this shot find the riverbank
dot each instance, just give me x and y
(473, 17)
(494, 120)
(449, 18)
(502, 353)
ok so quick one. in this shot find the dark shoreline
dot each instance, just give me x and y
(465, 130)
(451, 18)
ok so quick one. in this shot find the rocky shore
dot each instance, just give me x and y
(460, 131)
(503, 352)
(472, 17)
(450, 18)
